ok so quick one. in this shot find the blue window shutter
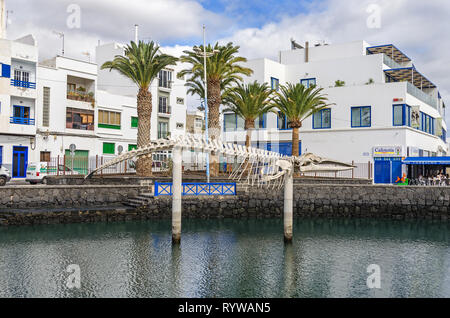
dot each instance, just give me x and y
(6, 70)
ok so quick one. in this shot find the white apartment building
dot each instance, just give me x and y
(18, 103)
(48, 106)
(383, 109)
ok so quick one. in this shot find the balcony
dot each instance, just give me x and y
(81, 96)
(421, 95)
(163, 134)
(21, 121)
(23, 84)
(390, 62)
(165, 84)
(165, 110)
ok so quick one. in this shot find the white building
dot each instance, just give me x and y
(18, 95)
(46, 107)
(385, 110)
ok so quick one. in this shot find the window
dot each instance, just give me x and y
(165, 79)
(163, 106)
(163, 129)
(71, 87)
(20, 75)
(322, 119)
(361, 116)
(443, 137)
(109, 148)
(427, 123)
(46, 107)
(45, 156)
(261, 122)
(232, 122)
(79, 119)
(21, 115)
(198, 123)
(308, 82)
(282, 122)
(107, 119)
(401, 115)
(134, 122)
(132, 147)
(274, 83)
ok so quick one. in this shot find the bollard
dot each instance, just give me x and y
(288, 206)
(176, 195)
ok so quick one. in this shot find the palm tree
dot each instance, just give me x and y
(224, 68)
(249, 102)
(297, 103)
(141, 63)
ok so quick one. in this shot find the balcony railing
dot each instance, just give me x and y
(163, 134)
(164, 110)
(421, 95)
(390, 62)
(23, 84)
(165, 84)
(81, 96)
(21, 121)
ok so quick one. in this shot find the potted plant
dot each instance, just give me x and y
(339, 83)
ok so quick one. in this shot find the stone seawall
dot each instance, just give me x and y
(26, 197)
(63, 204)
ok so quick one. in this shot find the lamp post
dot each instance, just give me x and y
(203, 54)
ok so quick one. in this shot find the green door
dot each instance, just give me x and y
(80, 161)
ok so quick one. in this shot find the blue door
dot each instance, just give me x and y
(1, 155)
(382, 171)
(396, 170)
(20, 162)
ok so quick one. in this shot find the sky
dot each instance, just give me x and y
(260, 27)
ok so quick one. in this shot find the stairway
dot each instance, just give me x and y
(142, 200)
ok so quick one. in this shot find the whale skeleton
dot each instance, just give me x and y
(258, 167)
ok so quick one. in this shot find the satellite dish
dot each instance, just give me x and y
(120, 149)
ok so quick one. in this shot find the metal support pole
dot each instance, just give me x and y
(288, 206)
(206, 102)
(176, 195)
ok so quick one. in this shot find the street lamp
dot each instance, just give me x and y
(205, 54)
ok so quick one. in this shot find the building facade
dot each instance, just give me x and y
(46, 107)
(383, 109)
(18, 103)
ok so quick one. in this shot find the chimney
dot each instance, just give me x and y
(3, 21)
(136, 33)
(306, 52)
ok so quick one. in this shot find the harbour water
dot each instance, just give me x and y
(227, 258)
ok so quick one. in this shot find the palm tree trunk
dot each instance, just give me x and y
(249, 126)
(295, 141)
(214, 100)
(144, 112)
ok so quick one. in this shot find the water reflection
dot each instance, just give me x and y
(228, 258)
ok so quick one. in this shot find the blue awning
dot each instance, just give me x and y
(442, 161)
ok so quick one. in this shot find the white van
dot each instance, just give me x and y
(5, 175)
(38, 172)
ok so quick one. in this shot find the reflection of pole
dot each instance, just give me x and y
(176, 195)
(288, 206)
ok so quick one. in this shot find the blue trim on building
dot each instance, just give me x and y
(360, 116)
(274, 80)
(406, 115)
(6, 70)
(308, 82)
(321, 112)
(23, 84)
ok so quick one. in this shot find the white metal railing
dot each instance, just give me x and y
(390, 62)
(421, 95)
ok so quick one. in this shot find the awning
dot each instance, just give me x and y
(410, 74)
(391, 51)
(441, 161)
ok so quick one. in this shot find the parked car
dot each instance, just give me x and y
(38, 172)
(5, 175)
